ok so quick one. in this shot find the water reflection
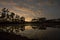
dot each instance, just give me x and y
(30, 30)
(22, 27)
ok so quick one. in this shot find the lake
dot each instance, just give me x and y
(33, 31)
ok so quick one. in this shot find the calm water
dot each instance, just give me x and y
(33, 31)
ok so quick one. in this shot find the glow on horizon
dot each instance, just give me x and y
(26, 13)
(28, 19)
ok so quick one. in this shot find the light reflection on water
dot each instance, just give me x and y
(28, 28)
(33, 31)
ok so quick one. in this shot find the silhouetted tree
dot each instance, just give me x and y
(3, 12)
(12, 14)
(17, 17)
(7, 13)
(22, 19)
(42, 19)
(34, 20)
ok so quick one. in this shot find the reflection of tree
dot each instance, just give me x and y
(42, 27)
(22, 27)
(37, 26)
(13, 28)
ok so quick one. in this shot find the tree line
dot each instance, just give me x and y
(6, 15)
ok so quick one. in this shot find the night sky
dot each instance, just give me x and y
(33, 8)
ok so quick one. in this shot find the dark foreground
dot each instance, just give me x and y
(9, 36)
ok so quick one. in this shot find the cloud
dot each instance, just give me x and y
(25, 11)
(24, 8)
(31, 8)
